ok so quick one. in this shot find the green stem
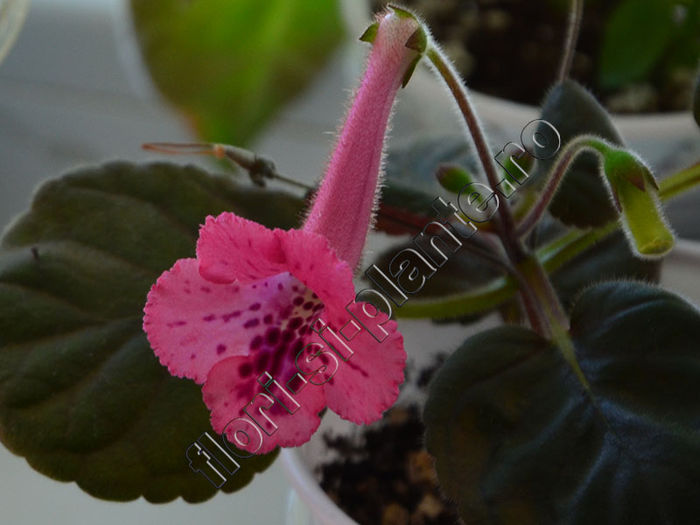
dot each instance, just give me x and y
(555, 177)
(572, 31)
(552, 257)
(506, 225)
(680, 182)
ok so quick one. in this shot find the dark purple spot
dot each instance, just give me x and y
(287, 311)
(261, 362)
(228, 317)
(250, 323)
(188, 291)
(303, 330)
(221, 348)
(245, 369)
(209, 318)
(267, 319)
(314, 296)
(256, 342)
(295, 288)
(298, 300)
(295, 323)
(192, 356)
(279, 286)
(308, 305)
(318, 307)
(255, 306)
(297, 346)
(287, 335)
(272, 335)
(205, 289)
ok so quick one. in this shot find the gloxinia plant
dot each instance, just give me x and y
(583, 407)
(244, 312)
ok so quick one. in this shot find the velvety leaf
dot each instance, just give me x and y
(411, 185)
(582, 199)
(518, 438)
(609, 259)
(82, 395)
(229, 65)
(636, 36)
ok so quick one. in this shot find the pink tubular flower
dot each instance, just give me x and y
(238, 318)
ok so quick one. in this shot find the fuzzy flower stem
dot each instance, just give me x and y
(344, 204)
(564, 161)
(572, 32)
(506, 224)
(632, 187)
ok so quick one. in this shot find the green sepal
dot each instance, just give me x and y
(401, 12)
(409, 71)
(418, 41)
(370, 33)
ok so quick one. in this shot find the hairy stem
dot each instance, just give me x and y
(572, 32)
(506, 224)
(554, 179)
(551, 256)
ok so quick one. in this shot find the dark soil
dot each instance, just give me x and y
(512, 49)
(387, 476)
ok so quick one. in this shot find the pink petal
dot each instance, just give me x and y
(192, 323)
(311, 260)
(231, 248)
(344, 204)
(367, 383)
(232, 385)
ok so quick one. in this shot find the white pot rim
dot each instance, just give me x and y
(325, 510)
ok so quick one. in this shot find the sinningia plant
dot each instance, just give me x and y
(583, 407)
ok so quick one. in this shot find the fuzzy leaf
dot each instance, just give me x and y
(519, 439)
(411, 185)
(230, 65)
(582, 199)
(82, 395)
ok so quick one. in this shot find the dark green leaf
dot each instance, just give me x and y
(82, 395)
(229, 65)
(609, 259)
(582, 199)
(636, 36)
(519, 439)
(411, 184)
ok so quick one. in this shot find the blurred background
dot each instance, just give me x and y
(76, 90)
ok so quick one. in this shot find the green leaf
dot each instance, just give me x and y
(410, 186)
(609, 259)
(82, 395)
(582, 199)
(636, 36)
(519, 439)
(229, 65)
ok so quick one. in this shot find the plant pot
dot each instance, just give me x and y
(308, 504)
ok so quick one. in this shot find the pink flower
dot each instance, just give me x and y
(239, 315)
